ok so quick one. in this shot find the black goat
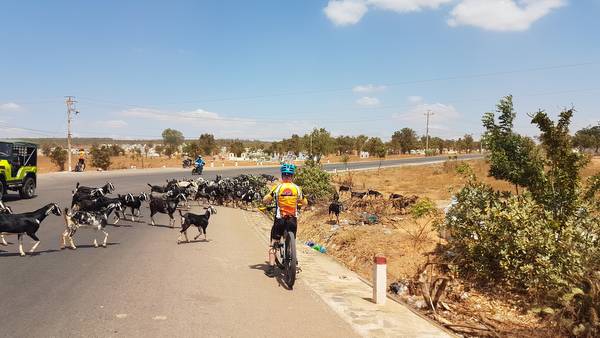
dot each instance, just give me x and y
(4, 209)
(165, 206)
(335, 208)
(27, 223)
(200, 221)
(82, 192)
(374, 193)
(344, 188)
(395, 196)
(358, 194)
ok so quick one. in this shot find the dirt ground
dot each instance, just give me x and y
(409, 243)
(127, 162)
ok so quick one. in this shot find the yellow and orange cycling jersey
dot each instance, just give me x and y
(287, 196)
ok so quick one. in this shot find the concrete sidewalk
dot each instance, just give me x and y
(350, 297)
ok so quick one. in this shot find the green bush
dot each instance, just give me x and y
(58, 157)
(101, 157)
(315, 182)
(512, 240)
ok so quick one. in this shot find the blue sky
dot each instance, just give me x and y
(266, 69)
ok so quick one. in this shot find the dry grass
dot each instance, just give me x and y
(126, 162)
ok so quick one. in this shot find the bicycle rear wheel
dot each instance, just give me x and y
(291, 259)
(279, 256)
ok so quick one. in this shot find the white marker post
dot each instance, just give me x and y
(379, 279)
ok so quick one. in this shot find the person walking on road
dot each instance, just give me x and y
(288, 199)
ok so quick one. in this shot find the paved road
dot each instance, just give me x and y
(144, 284)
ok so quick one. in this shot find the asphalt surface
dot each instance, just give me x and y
(143, 283)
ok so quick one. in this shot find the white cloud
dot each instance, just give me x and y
(369, 88)
(10, 106)
(345, 12)
(194, 121)
(495, 15)
(501, 15)
(444, 121)
(113, 124)
(415, 99)
(368, 101)
(402, 6)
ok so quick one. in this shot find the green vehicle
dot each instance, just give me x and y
(18, 168)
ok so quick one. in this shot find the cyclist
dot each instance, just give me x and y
(81, 161)
(288, 199)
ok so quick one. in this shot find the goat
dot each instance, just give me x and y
(374, 193)
(134, 203)
(200, 221)
(395, 196)
(344, 188)
(358, 194)
(82, 192)
(96, 220)
(100, 203)
(165, 206)
(335, 208)
(4, 209)
(27, 223)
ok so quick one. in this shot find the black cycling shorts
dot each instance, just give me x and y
(280, 224)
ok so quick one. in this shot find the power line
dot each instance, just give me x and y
(394, 84)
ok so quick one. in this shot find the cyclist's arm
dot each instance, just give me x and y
(268, 199)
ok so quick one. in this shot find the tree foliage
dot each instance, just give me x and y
(319, 143)
(172, 139)
(512, 157)
(588, 138)
(207, 144)
(404, 140)
(315, 182)
(58, 157)
(101, 157)
(237, 148)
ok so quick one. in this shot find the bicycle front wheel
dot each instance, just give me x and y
(291, 259)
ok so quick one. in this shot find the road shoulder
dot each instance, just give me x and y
(350, 297)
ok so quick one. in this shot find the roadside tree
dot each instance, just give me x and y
(172, 139)
(207, 144)
(101, 157)
(58, 157)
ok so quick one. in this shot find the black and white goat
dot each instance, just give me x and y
(4, 210)
(101, 203)
(134, 203)
(94, 220)
(200, 221)
(166, 205)
(27, 223)
(82, 192)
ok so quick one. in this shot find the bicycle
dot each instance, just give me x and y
(285, 254)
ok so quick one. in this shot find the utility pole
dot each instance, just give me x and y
(428, 114)
(70, 102)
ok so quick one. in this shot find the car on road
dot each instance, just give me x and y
(18, 168)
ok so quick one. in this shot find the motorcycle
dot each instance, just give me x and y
(198, 170)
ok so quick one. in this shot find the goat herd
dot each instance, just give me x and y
(91, 207)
